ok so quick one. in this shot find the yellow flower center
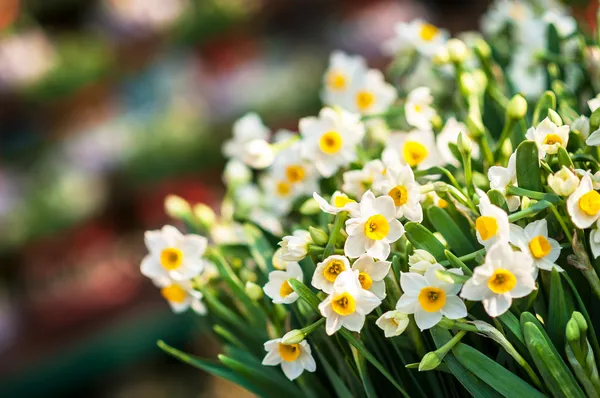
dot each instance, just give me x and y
(283, 188)
(333, 269)
(330, 142)
(171, 258)
(418, 108)
(428, 32)
(336, 80)
(539, 246)
(285, 289)
(173, 293)
(342, 200)
(343, 304)
(442, 203)
(432, 299)
(414, 153)
(590, 203)
(399, 194)
(364, 100)
(365, 280)
(289, 353)
(377, 227)
(552, 139)
(502, 281)
(294, 173)
(487, 227)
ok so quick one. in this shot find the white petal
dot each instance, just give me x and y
(151, 267)
(353, 322)
(292, 370)
(385, 206)
(408, 304)
(497, 304)
(475, 291)
(396, 231)
(355, 245)
(412, 283)
(193, 246)
(426, 320)
(378, 249)
(333, 324)
(455, 308)
(272, 358)
(307, 361)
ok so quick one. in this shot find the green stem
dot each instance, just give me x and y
(340, 218)
(466, 257)
(506, 131)
(562, 223)
(531, 210)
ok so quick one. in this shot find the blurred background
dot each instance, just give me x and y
(106, 106)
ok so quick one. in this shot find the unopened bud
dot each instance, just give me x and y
(258, 154)
(253, 291)
(441, 57)
(475, 126)
(581, 322)
(310, 207)
(483, 48)
(236, 173)
(205, 215)
(293, 337)
(507, 149)
(319, 237)
(457, 50)
(176, 207)
(555, 117)
(465, 146)
(248, 275)
(527, 202)
(468, 85)
(517, 107)
(436, 122)
(572, 332)
(430, 361)
(480, 78)
(440, 186)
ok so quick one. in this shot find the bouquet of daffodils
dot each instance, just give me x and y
(433, 232)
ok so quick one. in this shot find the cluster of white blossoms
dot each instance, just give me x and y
(399, 203)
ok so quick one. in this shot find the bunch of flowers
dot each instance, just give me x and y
(437, 240)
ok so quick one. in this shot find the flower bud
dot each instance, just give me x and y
(572, 332)
(205, 215)
(430, 361)
(420, 261)
(247, 274)
(278, 262)
(457, 50)
(517, 107)
(253, 291)
(176, 207)
(564, 182)
(440, 186)
(480, 78)
(258, 154)
(310, 207)
(581, 322)
(441, 57)
(318, 236)
(236, 173)
(527, 202)
(483, 48)
(554, 117)
(293, 337)
(465, 146)
(507, 149)
(468, 85)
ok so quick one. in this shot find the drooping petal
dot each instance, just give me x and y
(426, 320)
(292, 370)
(497, 304)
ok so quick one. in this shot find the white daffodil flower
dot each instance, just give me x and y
(369, 94)
(420, 261)
(564, 182)
(416, 149)
(258, 154)
(503, 177)
(279, 263)
(595, 240)
(374, 229)
(548, 137)
(393, 323)
(372, 274)
(584, 204)
(348, 304)
(415, 35)
(449, 135)
(399, 184)
(430, 298)
(298, 172)
(295, 247)
(356, 182)
(527, 73)
(492, 225)
(339, 202)
(278, 288)
(535, 241)
(173, 255)
(327, 272)
(329, 141)
(236, 173)
(342, 72)
(279, 192)
(418, 108)
(502, 12)
(245, 130)
(293, 358)
(180, 295)
(505, 274)
(581, 126)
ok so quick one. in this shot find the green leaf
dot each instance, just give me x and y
(528, 167)
(546, 101)
(458, 240)
(502, 380)
(558, 312)
(338, 385)
(305, 293)
(214, 368)
(361, 365)
(559, 380)
(498, 199)
(260, 248)
(456, 262)
(477, 387)
(563, 158)
(422, 238)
